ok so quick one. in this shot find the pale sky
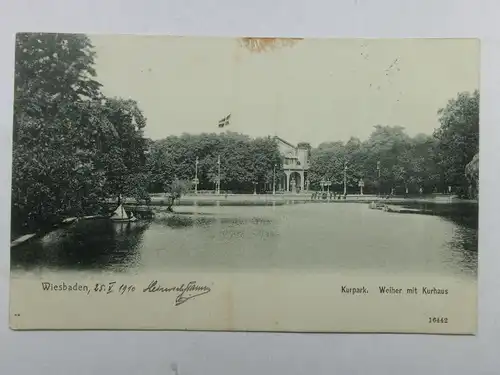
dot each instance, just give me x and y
(314, 91)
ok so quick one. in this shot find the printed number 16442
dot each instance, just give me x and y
(438, 320)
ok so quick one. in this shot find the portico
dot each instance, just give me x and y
(295, 162)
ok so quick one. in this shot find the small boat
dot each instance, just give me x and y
(120, 215)
(404, 210)
(22, 239)
(69, 220)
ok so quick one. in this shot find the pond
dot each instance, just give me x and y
(301, 236)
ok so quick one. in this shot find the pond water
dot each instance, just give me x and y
(294, 236)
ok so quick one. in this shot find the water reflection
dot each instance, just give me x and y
(223, 203)
(85, 245)
(463, 248)
(185, 220)
(440, 239)
(462, 214)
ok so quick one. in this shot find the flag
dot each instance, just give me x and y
(224, 121)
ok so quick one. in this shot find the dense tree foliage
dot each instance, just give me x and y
(52, 70)
(72, 147)
(472, 172)
(458, 139)
(243, 161)
(390, 159)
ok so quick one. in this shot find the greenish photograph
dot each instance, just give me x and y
(255, 184)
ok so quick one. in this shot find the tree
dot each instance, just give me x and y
(386, 146)
(419, 161)
(405, 162)
(472, 173)
(51, 166)
(159, 166)
(72, 146)
(327, 163)
(121, 152)
(52, 70)
(175, 190)
(457, 139)
(264, 154)
(243, 160)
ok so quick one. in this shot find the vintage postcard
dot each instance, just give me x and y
(245, 184)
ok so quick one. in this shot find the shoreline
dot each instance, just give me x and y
(233, 199)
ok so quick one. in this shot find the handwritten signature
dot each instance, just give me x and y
(185, 292)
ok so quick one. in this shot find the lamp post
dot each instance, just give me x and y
(195, 181)
(378, 176)
(361, 184)
(218, 175)
(274, 180)
(328, 184)
(345, 179)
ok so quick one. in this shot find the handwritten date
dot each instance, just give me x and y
(108, 288)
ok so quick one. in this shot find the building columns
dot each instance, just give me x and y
(287, 181)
